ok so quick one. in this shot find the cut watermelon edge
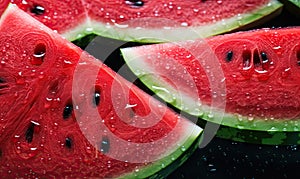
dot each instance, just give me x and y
(173, 159)
(155, 35)
(190, 138)
(183, 102)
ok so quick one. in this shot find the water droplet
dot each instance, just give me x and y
(277, 47)
(286, 73)
(210, 115)
(184, 24)
(183, 148)
(272, 129)
(67, 62)
(130, 106)
(250, 118)
(240, 117)
(240, 126)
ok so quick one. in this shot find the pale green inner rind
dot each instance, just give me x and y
(153, 168)
(183, 102)
(178, 33)
(231, 120)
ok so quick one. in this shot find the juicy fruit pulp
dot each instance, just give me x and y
(259, 84)
(64, 113)
(166, 20)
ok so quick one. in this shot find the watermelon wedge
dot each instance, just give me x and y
(148, 21)
(64, 114)
(247, 81)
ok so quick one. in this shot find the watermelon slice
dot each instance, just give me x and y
(147, 21)
(65, 114)
(253, 77)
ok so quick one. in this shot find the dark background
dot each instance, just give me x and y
(221, 158)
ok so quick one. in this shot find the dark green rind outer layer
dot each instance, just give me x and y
(178, 162)
(256, 137)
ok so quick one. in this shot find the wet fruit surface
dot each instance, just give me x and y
(226, 159)
(64, 113)
(242, 160)
(74, 19)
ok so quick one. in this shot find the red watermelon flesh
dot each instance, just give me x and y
(65, 114)
(3, 5)
(255, 78)
(62, 16)
(149, 21)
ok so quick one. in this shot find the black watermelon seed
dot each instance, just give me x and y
(246, 58)
(105, 144)
(38, 10)
(29, 133)
(298, 57)
(67, 111)
(39, 54)
(256, 58)
(68, 142)
(2, 83)
(264, 57)
(229, 56)
(131, 113)
(0, 153)
(135, 3)
(96, 98)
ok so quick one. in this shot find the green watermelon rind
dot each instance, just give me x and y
(256, 137)
(164, 166)
(146, 35)
(232, 121)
